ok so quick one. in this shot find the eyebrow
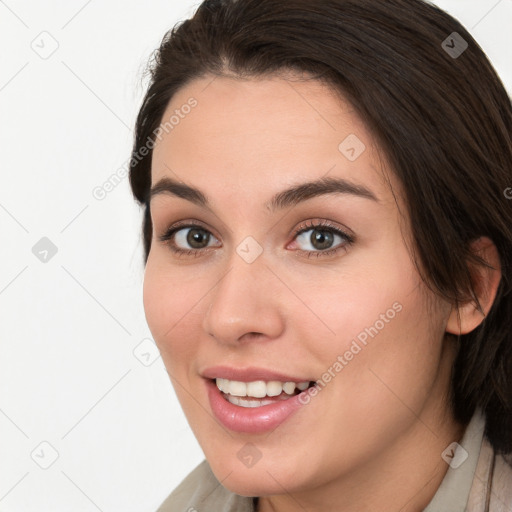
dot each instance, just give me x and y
(281, 200)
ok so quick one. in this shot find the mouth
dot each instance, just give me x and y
(259, 393)
(256, 407)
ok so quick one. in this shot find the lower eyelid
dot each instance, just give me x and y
(328, 252)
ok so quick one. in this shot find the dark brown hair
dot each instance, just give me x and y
(444, 122)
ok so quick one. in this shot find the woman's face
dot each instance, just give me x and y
(316, 285)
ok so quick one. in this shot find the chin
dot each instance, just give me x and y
(250, 484)
(260, 480)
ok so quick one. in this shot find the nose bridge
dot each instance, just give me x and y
(242, 301)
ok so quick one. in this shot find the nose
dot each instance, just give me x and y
(246, 304)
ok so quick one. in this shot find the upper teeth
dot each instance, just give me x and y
(259, 388)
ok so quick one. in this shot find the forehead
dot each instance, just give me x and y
(262, 135)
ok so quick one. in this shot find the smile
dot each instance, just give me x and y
(254, 414)
(258, 393)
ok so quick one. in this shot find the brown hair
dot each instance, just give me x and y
(444, 122)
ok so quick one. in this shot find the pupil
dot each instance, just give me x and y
(321, 239)
(196, 237)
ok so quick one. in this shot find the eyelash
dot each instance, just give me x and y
(167, 238)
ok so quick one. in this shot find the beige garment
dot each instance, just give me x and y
(481, 483)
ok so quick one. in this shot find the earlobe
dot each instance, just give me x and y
(485, 282)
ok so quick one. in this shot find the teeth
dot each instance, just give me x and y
(289, 388)
(274, 388)
(243, 402)
(237, 388)
(258, 388)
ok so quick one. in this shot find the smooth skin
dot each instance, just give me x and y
(372, 438)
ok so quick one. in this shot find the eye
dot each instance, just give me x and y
(197, 238)
(322, 239)
(315, 239)
(188, 239)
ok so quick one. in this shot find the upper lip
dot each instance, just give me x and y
(249, 374)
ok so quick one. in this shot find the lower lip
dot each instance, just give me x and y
(251, 420)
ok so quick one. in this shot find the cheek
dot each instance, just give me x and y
(173, 308)
(377, 368)
(390, 353)
(365, 299)
(376, 317)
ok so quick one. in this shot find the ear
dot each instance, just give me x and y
(485, 284)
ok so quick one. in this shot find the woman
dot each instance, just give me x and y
(327, 242)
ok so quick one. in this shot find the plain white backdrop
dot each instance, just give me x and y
(88, 418)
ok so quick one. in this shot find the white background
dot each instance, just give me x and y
(69, 327)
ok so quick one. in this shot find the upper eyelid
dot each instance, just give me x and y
(184, 224)
(312, 224)
(163, 208)
(315, 224)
